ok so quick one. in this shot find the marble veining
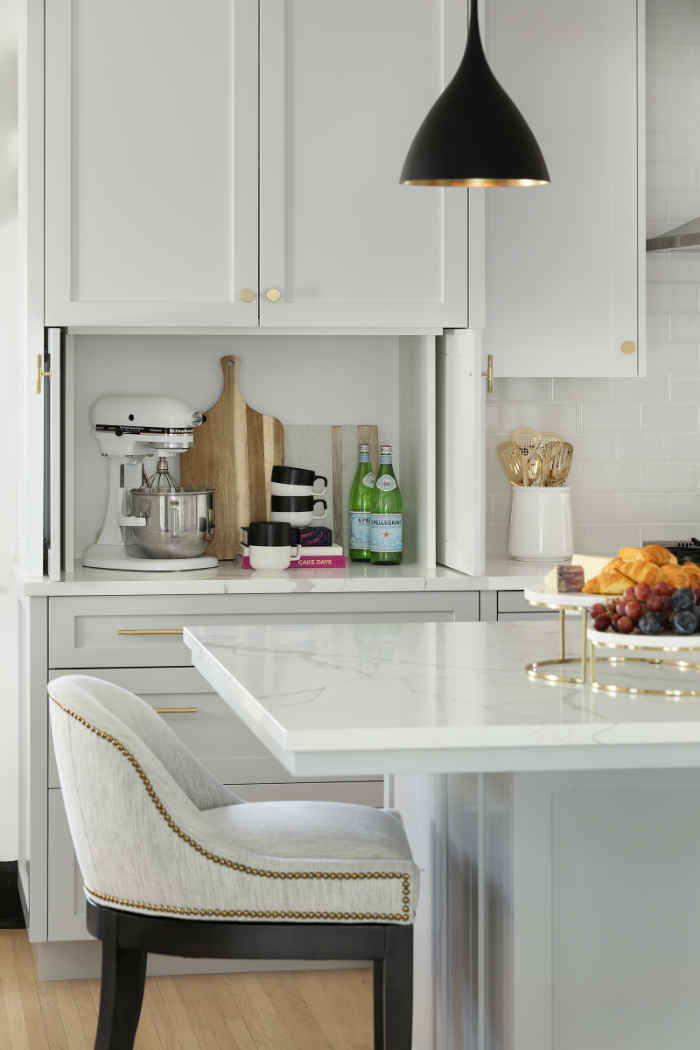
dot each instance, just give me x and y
(319, 696)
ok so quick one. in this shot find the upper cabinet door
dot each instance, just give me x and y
(151, 162)
(565, 262)
(344, 87)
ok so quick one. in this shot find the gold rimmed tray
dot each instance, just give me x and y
(651, 645)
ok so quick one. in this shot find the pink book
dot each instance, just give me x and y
(309, 561)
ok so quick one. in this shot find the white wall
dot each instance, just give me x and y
(9, 395)
(636, 472)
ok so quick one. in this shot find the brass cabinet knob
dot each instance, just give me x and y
(273, 295)
(488, 374)
(629, 346)
(247, 295)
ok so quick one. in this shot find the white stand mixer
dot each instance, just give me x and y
(128, 428)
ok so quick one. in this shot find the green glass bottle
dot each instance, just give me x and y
(360, 507)
(386, 527)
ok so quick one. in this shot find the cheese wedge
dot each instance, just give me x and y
(591, 564)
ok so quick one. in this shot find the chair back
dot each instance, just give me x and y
(124, 774)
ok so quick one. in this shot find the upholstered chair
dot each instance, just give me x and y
(173, 862)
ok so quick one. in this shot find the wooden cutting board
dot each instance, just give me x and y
(234, 452)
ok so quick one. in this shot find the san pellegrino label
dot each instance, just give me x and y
(386, 530)
(361, 496)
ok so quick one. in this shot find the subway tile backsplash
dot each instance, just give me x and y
(636, 472)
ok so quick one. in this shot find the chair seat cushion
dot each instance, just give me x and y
(312, 830)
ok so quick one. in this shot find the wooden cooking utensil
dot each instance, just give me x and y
(234, 452)
(509, 456)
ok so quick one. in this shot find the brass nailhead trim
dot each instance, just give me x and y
(405, 915)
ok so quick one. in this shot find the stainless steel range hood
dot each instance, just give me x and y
(684, 238)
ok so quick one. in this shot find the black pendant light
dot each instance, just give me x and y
(474, 135)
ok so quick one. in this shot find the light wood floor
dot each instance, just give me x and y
(328, 1010)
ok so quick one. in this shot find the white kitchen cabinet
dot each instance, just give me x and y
(572, 904)
(565, 262)
(157, 124)
(151, 162)
(343, 89)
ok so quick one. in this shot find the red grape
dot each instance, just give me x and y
(598, 610)
(642, 591)
(629, 593)
(620, 608)
(633, 609)
(655, 603)
(664, 589)
(602, 622)
(625, 625)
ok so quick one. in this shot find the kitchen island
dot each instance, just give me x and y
(557, 828)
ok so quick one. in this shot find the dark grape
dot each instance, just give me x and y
(685, 622)
(651, 623)
(683, 599)
(602, 622)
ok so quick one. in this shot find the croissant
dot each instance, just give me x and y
(642, 571)
(675, 576)
(658, 554)
(650, 564)
(631, 554)
(612, 581)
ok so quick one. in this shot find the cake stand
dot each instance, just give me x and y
(652, 650)
(572, 602)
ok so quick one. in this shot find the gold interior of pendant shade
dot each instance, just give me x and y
(476, 182)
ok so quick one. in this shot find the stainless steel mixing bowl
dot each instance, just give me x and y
(178, 524)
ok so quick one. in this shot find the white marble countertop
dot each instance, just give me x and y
(230, 578)
(343, 699)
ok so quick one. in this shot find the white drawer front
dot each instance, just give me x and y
(514, 602)
(145, 631)
(212, 732)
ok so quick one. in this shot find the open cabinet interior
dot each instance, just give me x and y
(305, 381)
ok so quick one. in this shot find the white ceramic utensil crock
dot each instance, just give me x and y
(541, 524)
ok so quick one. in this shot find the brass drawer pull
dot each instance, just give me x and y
(149, 630)
(177, 710)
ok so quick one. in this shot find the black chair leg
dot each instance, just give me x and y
(378, 986)
(121, 994)
(398, 988)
